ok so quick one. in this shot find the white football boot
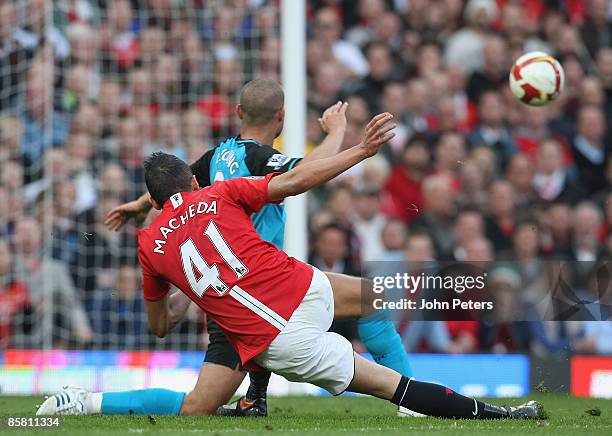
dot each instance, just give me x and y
(404, 412)
(70, 401)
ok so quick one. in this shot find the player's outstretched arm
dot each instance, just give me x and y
(137, 209)
(333, 123)
(311, 174)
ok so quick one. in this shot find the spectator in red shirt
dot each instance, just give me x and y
(14, 300)
(404, 197)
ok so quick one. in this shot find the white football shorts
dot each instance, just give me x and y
(305, 351)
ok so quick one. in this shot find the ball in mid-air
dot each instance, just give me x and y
(536, 78)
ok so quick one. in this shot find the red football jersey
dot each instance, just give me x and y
(204, 243)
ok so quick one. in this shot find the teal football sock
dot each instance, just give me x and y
(379, 336)
(142, 402)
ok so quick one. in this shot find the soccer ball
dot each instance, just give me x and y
(536, 78)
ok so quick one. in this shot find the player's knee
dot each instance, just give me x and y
(198, 405)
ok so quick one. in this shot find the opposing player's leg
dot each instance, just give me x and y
(353, 297)
(216, 385)
(77, 401)
(219, 378)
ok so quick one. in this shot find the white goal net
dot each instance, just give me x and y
(87, 90)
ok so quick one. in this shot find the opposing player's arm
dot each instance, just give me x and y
(137, 209)
(311, 174)
(262, 159)
(252, 193)
(333, 123)
(140, 208)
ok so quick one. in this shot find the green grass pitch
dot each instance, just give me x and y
(330, 416)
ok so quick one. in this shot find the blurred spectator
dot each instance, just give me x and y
(590, 148)
(418, 107)
(472, 182)
(217, 105)
(118, 35)
(596, 31)
(381, 71)
(87, 120)
(327, 30)
(465, 47)
(469, 226)
(169, 136)
(417, 334)
(437, 215)
(503, 334)
(327, 86)
(393, 237)
(478, 251)
(66, 238)
(14, 301)
(369, 223)
(587, 221)
(557, 239)
(520, 174)
(50, 286)
(12, 57)
(11, 136)
(39, 117)
(80, 154)
(491, 131)
(393, 100)
(604, 67)
(551, 180)
(404, 199)
(37, 31)
(534, 128)
(450, 154)
(331, 251)
(118, 314)
(494, 72)
(101, 251)
(131, 155)
(109, 105)
(112, 182)
(501, 216)
(152, 41)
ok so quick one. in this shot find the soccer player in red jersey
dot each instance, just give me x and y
(274, 309)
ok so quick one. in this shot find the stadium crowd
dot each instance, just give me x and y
(89, 88)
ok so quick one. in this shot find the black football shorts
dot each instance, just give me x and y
(220, 351)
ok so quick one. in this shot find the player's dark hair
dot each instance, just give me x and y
(165, 175)
(261, 99)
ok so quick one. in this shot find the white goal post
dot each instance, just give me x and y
(293, 65)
